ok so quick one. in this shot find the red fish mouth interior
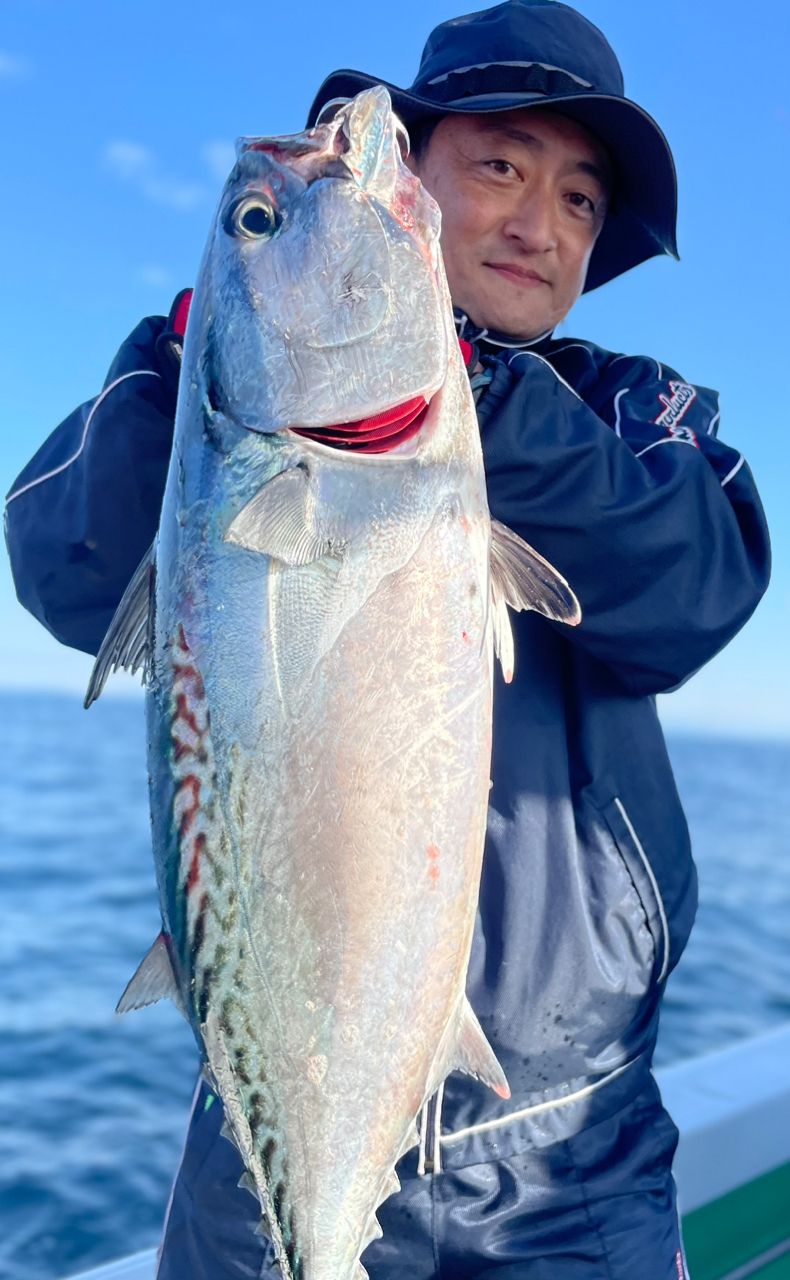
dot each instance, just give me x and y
(376, 434)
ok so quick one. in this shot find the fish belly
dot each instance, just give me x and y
(326, 883)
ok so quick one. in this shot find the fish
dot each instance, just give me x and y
(316, 623)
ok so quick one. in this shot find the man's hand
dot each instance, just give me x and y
(170, 343)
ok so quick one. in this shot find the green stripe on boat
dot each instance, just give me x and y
(743, 1233)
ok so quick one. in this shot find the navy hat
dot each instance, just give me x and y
(541, 53)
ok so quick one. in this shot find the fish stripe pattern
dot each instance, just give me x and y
(210, 902)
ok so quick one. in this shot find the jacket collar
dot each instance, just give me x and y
(490, 342)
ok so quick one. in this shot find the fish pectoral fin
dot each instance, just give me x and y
(475, 1056)
(153, 979)
(280, 521)
(126, 644)
(527, 581)
(524, 580)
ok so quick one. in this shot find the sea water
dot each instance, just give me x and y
(93, 1107)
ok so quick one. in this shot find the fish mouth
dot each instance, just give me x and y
(378, 433)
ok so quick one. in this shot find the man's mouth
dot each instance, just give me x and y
(525, 276)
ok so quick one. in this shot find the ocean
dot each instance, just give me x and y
(94, 1106)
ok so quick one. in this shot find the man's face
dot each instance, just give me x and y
(523, 196)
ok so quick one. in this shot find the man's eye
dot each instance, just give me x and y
(500, 166)
(582, 202)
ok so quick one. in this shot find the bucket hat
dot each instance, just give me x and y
(542, 53)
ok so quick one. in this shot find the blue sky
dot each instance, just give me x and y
(117, 125)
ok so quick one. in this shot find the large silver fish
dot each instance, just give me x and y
(317, 622)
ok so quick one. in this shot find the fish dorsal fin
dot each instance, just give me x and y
(474, 1055)
(280, 521)
(126, 644)
(153, 979)
(524, 580)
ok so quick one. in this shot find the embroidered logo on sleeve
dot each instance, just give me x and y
(685, 434)
(681, 395)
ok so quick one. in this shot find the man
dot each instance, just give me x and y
(550, 181)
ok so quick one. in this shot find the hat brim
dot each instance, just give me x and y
(641, 223)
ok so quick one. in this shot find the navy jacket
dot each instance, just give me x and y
(610, 466)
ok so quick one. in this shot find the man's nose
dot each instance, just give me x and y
(533, 221)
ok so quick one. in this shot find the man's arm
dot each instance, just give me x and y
(84, 510)
(656, 525)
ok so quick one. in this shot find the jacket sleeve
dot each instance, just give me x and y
(84, 510)
(655, 523)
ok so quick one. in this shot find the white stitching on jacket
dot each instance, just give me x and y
(555, 351)
(617, 400)
(552, 1104)
(666, 440)
(651, 875)
(558, 376)
(734, 471)
(31, 484)
(513, 346)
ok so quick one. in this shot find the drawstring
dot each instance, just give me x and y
(430, 1130)
(423, 1123)
(437, 1130)
(480, 381)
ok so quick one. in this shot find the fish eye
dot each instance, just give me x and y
(253, 217)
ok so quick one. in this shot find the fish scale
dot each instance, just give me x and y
(322, 624)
